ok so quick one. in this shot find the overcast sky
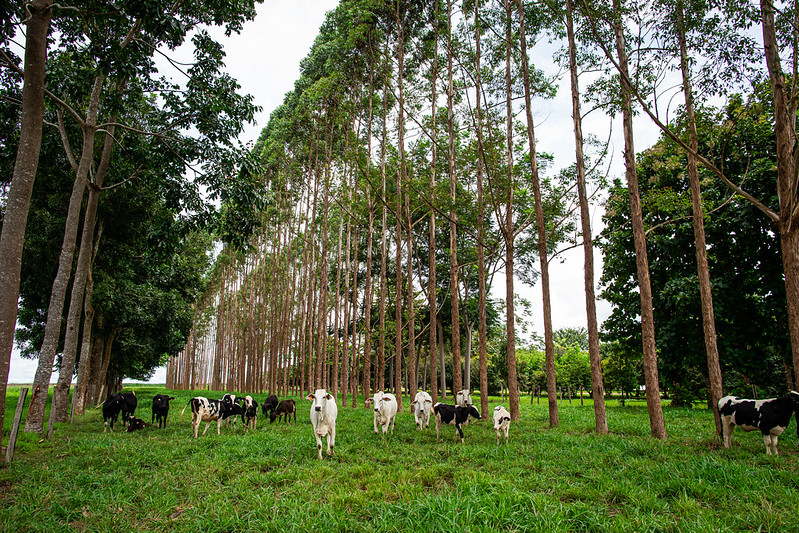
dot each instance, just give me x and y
(265, 59)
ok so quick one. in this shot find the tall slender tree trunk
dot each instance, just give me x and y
(432, 301)
(481, 263)
(457, 377)
(703, 270)
(656, 422)
(508, 233)
(597, 386)
(543, 256)
(17, 204)
(398, 208)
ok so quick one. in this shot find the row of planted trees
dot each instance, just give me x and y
(405, 175)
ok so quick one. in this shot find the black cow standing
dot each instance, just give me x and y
(453, 415)
(129, 403)
(112, 406)
(770, 416)
(269, 405)
(160, 409)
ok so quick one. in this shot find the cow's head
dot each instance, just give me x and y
(473, 412)
(320, 399)
(379, 399)
(463, 398)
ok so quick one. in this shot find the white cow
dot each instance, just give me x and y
(421, 405)
(385, 406)
(323, 418)
(463, 398)
(501, 422)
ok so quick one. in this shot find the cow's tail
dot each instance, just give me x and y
(184, 409)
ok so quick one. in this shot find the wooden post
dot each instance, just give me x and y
(12, 438)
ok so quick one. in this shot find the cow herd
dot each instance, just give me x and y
(771, 417)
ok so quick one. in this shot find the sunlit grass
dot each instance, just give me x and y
(562, 479)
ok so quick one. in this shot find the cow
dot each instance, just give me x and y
(501, 419)
(421, 406)
(463, 398)
(285, 409)
(770, 416)
(453, 415)
(135, 424)
(160, 409)
(129, 403)
(229, 411)
(112, 406)
(205, 410)
(323, 418)
(269, 405)
(385, 410)
(250, 417)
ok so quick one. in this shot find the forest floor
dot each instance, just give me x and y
(269, 479)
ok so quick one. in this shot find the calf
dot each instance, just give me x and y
(770, 416)
(323, 418)
(463, 398)
(385, 405)
(112, 406)
(453, 415)
(229, 409)
(269, 405)
(250, 413)
(129, 403)
(421, 406)
(205, 410)
(284, 409)
(501, 422)
(135, 424)
(160, 409)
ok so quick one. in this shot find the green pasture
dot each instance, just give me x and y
(563, 479)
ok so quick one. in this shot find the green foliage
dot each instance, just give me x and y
(743, 252)
(563, 479)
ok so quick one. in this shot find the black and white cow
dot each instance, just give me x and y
(501, 418)
(205, 410)
(135, 424)
(160, 409)
(770, 416)
(453, 415)
(269, 405)
(250, 417)
(129, 403)
(112, 406)
(285, 409)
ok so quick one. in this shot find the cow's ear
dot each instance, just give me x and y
(310, 397)
(429, 401)
(171, 397)
(328, 397)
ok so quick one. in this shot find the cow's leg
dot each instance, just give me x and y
(727, 426)
(460, 431)
(767, 441)
(393, 419)
(438, 427)
(331, 441)
(318, 444)
(375, 422)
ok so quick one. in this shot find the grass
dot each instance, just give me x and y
(563, 479)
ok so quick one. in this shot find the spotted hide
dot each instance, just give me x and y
(204, 410)
(453, 415)
(501, 418)
(770, 416)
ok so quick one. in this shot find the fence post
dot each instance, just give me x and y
(12, 438)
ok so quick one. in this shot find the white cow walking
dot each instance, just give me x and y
(323, 418)
(385, 406)
(422, 405)
(501, 419)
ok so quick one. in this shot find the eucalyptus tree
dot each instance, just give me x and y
(37, 17)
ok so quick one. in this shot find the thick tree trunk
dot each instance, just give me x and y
(15, 217)
(785, 130)
(703, 269)
(481, 263)
(597, 386)
(656, 423)
(543, 256)
(34, 421)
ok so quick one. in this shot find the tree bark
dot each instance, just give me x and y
(17, 204)
(656, 423)
(481, 263)
(432, 264)
(597, 386)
